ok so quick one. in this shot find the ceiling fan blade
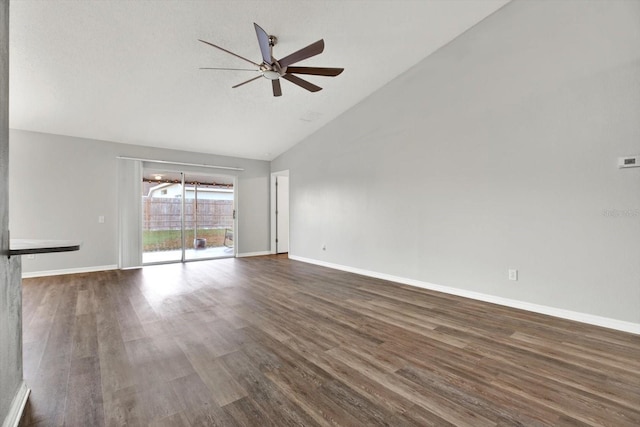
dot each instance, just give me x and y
(316, 71)
(306, 52)
(263, 41)
(302, 83)
(230, 53)
(228, 69)
(248, 81)
(277, 90)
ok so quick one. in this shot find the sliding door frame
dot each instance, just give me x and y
(183, 173)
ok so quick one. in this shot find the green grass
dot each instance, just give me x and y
(165, 240)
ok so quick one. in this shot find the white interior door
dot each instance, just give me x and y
(282, 214)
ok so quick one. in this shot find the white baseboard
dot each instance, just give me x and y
(591, 319)
(17, 406)
(247, 254)
(69, 271)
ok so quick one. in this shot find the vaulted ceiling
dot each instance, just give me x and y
(128, 71)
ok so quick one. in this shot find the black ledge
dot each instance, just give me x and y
(37, 246)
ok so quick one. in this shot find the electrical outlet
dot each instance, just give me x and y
(101, 219)
(31, 256)
(513, 274)
(629, 162)
(324, 247)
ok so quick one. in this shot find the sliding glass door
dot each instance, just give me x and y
(186, 216)
(209, 217)
(161, 216)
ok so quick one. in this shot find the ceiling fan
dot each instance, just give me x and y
(272, 68)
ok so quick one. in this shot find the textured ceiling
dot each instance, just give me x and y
(128, 71)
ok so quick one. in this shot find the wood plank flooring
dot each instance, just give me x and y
(269, 341)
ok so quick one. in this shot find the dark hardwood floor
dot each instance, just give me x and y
(268, 341)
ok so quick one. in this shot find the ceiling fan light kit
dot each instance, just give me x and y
(272, 68)
(270, 75)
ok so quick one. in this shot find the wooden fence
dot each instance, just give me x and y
(165, 213)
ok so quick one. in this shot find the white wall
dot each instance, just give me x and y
(59, 185)
(499, 151)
